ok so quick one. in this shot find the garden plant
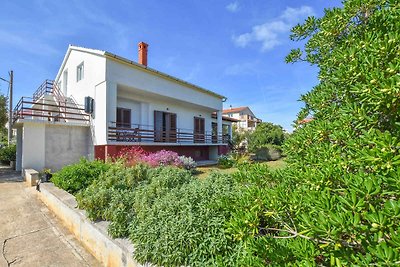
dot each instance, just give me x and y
(336, 203)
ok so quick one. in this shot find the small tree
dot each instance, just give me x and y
(3, 117)
(338, 201)
(266, 133)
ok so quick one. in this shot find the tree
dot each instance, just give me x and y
(338, 201)
(239, 139)
(3, 117)
(266, 133)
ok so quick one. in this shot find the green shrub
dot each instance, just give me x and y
(118, 179)
(338, 201)
(183, 225)
(266, 133)
(76, 177)
(225, 162)
(8, 153)
(268, 152)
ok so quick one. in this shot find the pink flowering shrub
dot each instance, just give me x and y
(163, 158)
(132, 155)
(135, 155)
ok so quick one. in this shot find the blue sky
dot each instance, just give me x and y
(235, 48)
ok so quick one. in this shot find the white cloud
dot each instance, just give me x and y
(295, 14)
(233, 7)
(242, 68)
(271, 33)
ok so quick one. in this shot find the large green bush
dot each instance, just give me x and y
(266, 133)
(185, 224)
(76, 177)
(8, 153)
(338, 201)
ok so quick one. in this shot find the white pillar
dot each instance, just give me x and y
(105, 110)
(219, 122)
(18, 163)
(33, 142)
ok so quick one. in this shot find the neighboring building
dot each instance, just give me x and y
(100, 103)
(247, 119)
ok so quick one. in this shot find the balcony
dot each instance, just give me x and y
(137, 133)
(48, 104)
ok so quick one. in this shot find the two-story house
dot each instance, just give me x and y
(246, 118)
(100, 103)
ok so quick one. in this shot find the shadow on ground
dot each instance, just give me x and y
(7, 175)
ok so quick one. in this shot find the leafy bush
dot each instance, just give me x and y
(188, 163)
(268, 152)
(338, 202)
(76, 177)
(96, 198)
(136, 155)
(183, 225)
(239, 158)
(266, 133)
(8, 153)
(162, 158)
(225, 161)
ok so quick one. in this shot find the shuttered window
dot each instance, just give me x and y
(199, 130)
(164, 127)
(123, 117)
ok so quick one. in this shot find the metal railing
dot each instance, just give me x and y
(45, 88)
(48, 110)
(118, 132)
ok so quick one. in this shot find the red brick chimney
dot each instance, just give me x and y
(143, 53)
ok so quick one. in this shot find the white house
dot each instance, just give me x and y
(100, 103)
(246, 118)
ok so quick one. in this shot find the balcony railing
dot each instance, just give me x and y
(48, 110)
(146, 133)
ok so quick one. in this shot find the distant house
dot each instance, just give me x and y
(100, 103)
(247, 119)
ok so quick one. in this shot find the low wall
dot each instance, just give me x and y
(93, 235)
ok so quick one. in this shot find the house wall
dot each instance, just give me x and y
(52, 146)
(94, 73)
(143, 111)
(65, 145)
(33, 146)
(139, 78)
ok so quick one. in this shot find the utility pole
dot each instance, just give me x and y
(10, 116)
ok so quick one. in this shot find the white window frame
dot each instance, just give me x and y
(80, 69)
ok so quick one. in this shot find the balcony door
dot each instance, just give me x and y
(214, 127)
(199, 130)
(123, 118)
(164, 127)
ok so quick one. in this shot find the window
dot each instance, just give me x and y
(164, 127)
(123, 117)
(214, 127)
(199, 131)
(79, 72)
(65, 82)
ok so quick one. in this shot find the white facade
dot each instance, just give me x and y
(114, 82)
(246, 118)
(117, 82)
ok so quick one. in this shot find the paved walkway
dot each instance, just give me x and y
(30, 235)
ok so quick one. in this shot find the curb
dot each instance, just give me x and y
(93, 235)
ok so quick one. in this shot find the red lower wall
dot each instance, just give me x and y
(103, 152)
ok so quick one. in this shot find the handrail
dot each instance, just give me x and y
(144, 133)
(48, 110)
(44, 88)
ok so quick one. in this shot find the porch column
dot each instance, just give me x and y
(219, 123)
(105, 110)
(18, 163)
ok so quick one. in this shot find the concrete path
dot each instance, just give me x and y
(30, 235)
